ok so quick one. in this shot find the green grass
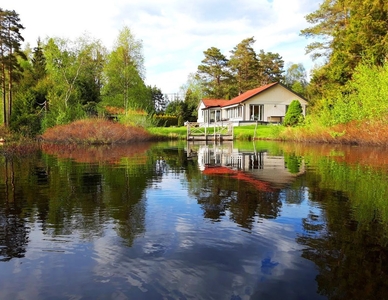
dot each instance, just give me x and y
(171, 132)
(262, 132)
(240, 132)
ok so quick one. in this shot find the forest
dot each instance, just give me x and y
(59, 81)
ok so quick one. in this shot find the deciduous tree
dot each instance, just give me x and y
(345, 33)
(124, 74)
(295, 78)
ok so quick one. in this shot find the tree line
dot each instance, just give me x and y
(62, 80)
(350, 40)
(220, 77)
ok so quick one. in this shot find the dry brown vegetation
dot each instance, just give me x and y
(95, 131)
(366, 133)
(11, 145)
(19, 148)
(367, 156)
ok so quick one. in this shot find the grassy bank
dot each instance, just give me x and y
(353, 133)
(99, 131)
(369, 133)
(241, 132)
(169, 132)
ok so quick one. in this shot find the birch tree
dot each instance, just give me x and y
(124, 74)
(72, 67)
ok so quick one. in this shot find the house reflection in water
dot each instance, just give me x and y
(225, 159)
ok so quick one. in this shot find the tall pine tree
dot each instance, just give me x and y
(214, 74)
(244, 65)
(10, 47)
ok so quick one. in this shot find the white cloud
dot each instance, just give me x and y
(174, 33)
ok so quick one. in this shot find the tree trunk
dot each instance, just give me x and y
(3, 90)
(9, 96)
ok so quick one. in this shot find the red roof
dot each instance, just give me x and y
(241, 98)
(215, 102)
(239, 175)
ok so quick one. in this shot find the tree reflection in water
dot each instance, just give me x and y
(348, 241)
(78, 193)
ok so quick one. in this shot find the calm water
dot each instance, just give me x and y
(176, 221)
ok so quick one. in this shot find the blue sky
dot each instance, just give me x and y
(174, 32)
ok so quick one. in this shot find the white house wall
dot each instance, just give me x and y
(201, 113)
(275, 100)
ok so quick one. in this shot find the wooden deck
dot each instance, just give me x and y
(217, 131)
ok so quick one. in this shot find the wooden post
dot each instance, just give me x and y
(254, 134)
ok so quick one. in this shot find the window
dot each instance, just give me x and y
(234, 112)
(256, 112)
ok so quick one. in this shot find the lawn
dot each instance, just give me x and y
(240, 132)
(172, 132)
(250, 132)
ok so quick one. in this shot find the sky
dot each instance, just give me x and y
(174, 33)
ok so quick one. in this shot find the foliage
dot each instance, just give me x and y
(293, 162)
(361, 98)
(95, 131)
(296, 78)
(346, 32)
(74, 73)
(193, 87)
(270, 67)
(124, 75)
(158, 99)
(165, 120)
(30, 95)
(10, 49)
(137, 118)
(180, 120)
(225, 79)
(294, 114)
(244, 66)
(214, 73)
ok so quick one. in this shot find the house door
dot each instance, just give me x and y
(256, 112)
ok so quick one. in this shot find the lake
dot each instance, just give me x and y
(177, 220)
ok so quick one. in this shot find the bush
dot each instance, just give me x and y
(165, 120)
(363, 98)
(136, 118)
(180, 120)
(294, 114)
(95, 131)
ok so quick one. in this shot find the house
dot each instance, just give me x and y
(268, 103)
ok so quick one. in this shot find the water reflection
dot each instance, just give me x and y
(252, 221)
(276, 170)
(243, 183)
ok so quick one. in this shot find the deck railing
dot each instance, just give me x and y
(217, 129)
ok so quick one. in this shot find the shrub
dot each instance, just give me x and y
(180, 120)
(137, 118)
(294, 114)
(95, 131)
(165, 120)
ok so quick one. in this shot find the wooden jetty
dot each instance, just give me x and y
(216, 131)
